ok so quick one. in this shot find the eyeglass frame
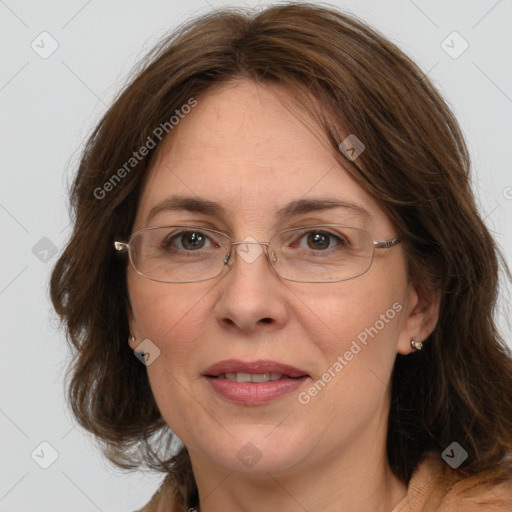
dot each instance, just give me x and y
(125, 246)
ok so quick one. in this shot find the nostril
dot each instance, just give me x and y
(265, 321)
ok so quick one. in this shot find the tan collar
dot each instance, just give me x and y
(434, 487)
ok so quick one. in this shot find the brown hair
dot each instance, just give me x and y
(416, 165)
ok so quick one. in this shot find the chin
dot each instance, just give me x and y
(257, 451)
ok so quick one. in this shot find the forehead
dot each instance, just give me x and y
(252, 150)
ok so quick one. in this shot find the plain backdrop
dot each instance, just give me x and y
(48, 105)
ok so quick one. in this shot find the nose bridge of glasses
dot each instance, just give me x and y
(244, 242)
(248, 255)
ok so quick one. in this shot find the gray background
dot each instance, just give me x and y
(47, 108)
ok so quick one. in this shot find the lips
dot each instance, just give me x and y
(261, 367)
(253, 383)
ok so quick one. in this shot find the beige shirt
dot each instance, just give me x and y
(434, 487)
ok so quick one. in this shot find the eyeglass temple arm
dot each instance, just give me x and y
(386, 244)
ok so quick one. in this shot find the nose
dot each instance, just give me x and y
(252, 297)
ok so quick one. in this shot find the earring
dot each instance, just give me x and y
(416, 343)
(132, 339)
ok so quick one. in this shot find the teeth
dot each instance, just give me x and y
(250, 377)
(260, 377)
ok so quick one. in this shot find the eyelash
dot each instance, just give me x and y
(341, 240)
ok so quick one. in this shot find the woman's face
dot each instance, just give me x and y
(243, 150)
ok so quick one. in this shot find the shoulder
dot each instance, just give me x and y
(163, 499)
(435, 487)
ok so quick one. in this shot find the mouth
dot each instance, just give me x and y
(253, 371)
(253, 383)
(251, 377)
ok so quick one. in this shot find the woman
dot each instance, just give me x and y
(275, 217)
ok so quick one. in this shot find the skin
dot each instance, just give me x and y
(245, 147)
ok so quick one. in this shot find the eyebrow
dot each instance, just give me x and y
(189, 204)
(294, 208)
(302, 206)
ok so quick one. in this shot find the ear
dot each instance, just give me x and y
(135, 338)
(421, 316)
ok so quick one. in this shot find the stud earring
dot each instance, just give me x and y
(416, 344)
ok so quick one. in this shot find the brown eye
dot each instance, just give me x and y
(193, 240)
(318, 240)
(186, 240)
(322, 240)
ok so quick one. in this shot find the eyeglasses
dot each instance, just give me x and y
(323, 253)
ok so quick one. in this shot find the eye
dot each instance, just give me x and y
(187, 240)
(321, 240)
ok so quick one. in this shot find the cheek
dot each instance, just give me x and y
(351, 311)
(173, 318)
(170, 315)
(355, 330)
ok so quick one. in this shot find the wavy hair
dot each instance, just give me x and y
(349, 80)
